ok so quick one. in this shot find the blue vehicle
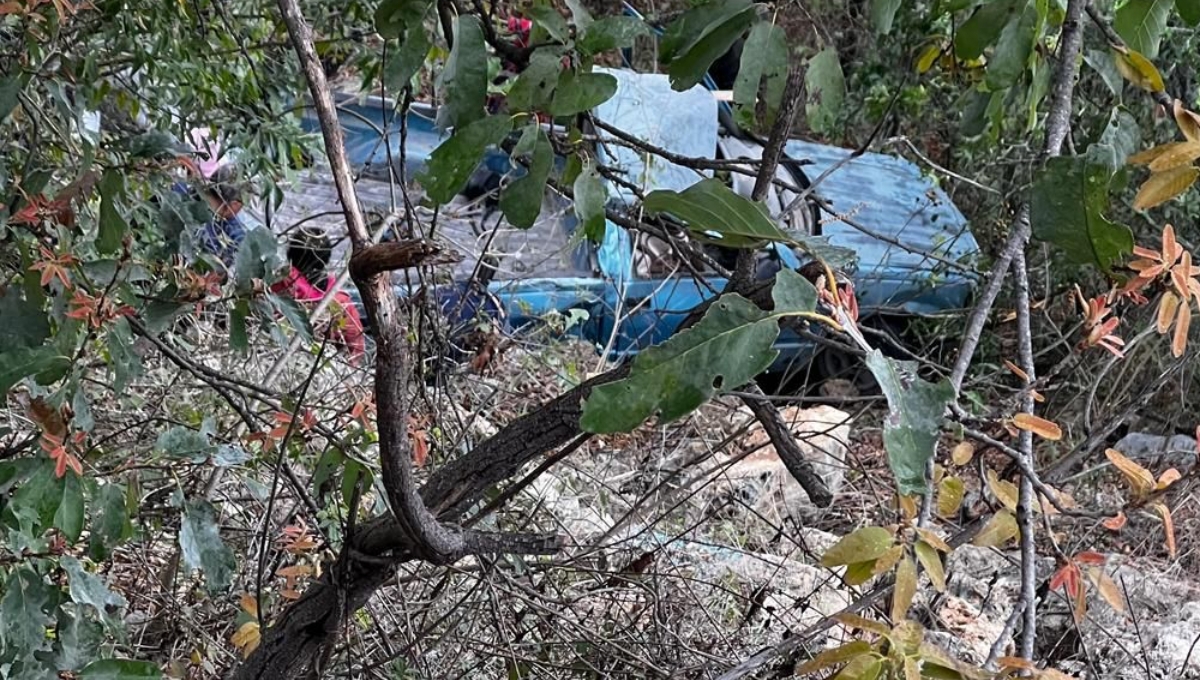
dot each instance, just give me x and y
(912, 245)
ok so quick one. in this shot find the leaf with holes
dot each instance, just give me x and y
(25, 606)
(763, 69)
(1070, 195)
(711, 209)
(203, 549)
(725, 350)
(89, 589)
(916, 408)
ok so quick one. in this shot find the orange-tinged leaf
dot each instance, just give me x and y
(1108, 589)
(951, 492)
(1139, 478)
(888, 560)
(294, 571)
(1188, 122)
(1167, 479)
(932, 563)
(1115, 523)
(1183, 322)
(1163, 186)
(1090, 557)
(905, 590)
(1080, 606)
(1137, 69)
(1180, 153)
(1167, 307)
(1016, 662)
(1146, 157)
(908, 506)
(1067, 577)
(1000, 529)
(1039, 426)
(962, 453)
(1005, 491)
(1016, 370)
(249, 604)
(1168, 528)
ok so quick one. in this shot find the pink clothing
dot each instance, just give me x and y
(348, 328)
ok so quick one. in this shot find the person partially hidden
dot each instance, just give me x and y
(308, 253)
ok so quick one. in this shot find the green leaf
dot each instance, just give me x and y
(407, 58)
(916, 408)
(18, 364)
(1189, 11)
(203, 549)
(25, 324)
(451, 164)
(579, 14)
(1141, 24)
(1122, 138)
(535, 86)
(125, 362)
(1011, 56)
(112, 227)
(296, 315)
(883, 13)
(700, 36)
(826, 88)
(725, 350)
(710, 206)
(89, 589)
(1102, 63)
(120, 669)
(79, 639)
(590, 198)
(10, 90)
(551, 21)
(239, 339)
(257, 258)
(764, 68)
(35, 502)
(68, 518)
(27, 599)
(931, 561)
(184, 442)
(465, 78)
(110, 521)
(793, 293)
(863, 545)
(610, 33)
(983, 27)
(395, 17)
(521, 200)
(580, 92)
(1066, 209)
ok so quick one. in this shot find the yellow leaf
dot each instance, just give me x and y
(1163, 186)
(246, 638)
(933, 540)
(1138, 70)
(888, 560)
(867, 667)
(1139, 478)
(1167, 307)
(865, 544)
(928, 56)
(1108, 589)
(1181, 153)
(856, 621)
(932, 562)
(951, 492)
(912, 670)
(1188, 122)
(1148, 156)
(833, 657)
(962, 453)
(1005, 491)
(1000, 529)
(1016, 370)
(1007, 662)
(1080, 606)
(1183, 321)
(908, 506)
(859, 573)
(1168, 528)
(905, 590)
(1167, 479)
(1039, 426)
